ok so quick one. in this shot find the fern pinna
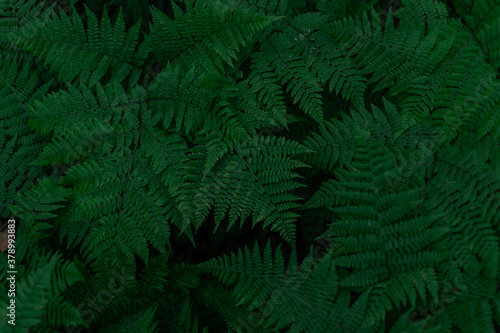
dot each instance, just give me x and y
(251, 166)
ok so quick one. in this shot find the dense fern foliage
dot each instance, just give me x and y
(250, 165)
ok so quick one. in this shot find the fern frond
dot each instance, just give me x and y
(389, 52)
(469, 205)
(19, 145)
(264, 7)
(287, 297)
(38, 296)
(140, 322)
(206, 37)
(101, 53)
(276, 58)
(255, 179)
(482, 18)
(335, 144)
(377, 231)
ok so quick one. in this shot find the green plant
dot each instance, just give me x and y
(144, 152)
